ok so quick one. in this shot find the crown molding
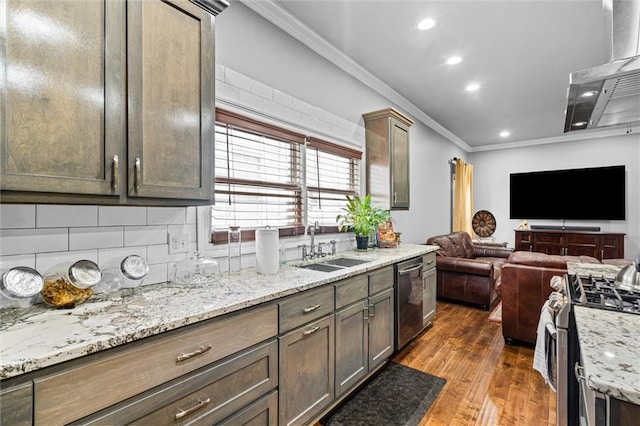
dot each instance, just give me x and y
(576, 135)
(287, 22)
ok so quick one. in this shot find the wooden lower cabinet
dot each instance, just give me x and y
(364, 331)
(306, 371)
(161, 370)
(204, 397)
(429, 289)
(352, 345)
(16, 404)
(381, 331)
(600, 245)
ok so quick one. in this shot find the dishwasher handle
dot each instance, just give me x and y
(410, 270)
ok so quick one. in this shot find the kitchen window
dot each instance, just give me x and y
(332, 172)
(260, 179)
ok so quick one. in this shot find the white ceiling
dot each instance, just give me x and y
(521, 52)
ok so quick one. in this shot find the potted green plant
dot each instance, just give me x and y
(361, 217)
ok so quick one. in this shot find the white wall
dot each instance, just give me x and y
(492, 169)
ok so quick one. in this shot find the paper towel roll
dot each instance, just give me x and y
(267, 251)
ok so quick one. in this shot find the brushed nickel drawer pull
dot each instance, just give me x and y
(137, 168)
(200, 351)
(311, 330)
(182, 413)
(115, 173)
(310, 308)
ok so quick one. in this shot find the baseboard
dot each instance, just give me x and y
(567, 228)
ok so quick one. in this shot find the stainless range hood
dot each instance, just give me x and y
(609, 94)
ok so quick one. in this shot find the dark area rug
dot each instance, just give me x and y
(398, 395)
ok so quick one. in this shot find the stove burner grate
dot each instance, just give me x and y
(602, 293)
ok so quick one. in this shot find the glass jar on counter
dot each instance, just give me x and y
(19, 287)
(69, 284)
(125, 274)
(198, 269)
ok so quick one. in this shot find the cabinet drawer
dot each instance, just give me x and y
(16, 404)
(103, 379)
(263, 412)
(306, 306)
(208, 395)
(351, 290)
(380, 280)
(429, 261)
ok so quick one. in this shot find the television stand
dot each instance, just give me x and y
(601, 245)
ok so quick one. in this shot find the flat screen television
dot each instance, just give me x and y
(596, 193)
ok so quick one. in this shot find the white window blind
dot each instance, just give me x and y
(259, 178)
(332, 173)
(257, 181)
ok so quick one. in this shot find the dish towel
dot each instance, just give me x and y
(545, 344)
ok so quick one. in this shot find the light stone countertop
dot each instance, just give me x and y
(594, 269)
(610, 347)
(42, 336)
(609, 342)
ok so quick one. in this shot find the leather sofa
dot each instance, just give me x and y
(524, 286)
(466, 272)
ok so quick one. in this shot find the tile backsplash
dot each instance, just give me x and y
(40, 236)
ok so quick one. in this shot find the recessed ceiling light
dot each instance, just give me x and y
(579, 124)
(426, 24)
(454, 60)
(505, 133)
(472, 87)
(589, 93)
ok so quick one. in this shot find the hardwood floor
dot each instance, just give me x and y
(488, 382)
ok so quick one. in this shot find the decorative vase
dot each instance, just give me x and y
(362, 243)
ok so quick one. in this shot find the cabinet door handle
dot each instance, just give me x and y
(189, 355)
(311, 330)
(372, 310)
(310, 309)
(182, 413)
(601, 254)
(579, 372)
(136, 178)
(115, 173)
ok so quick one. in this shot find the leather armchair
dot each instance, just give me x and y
(466, 272)
(524, 286)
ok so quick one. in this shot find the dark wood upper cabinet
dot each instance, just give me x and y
(387, 154)
(108, 102)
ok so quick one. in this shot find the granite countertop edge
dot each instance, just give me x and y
(609, 349)
(31, 338)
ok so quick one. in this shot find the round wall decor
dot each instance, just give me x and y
(483, 223)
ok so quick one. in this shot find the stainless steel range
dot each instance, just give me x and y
(580, 290)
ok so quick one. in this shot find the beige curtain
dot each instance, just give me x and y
(463, 197)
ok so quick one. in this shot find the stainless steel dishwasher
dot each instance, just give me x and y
(409, 299)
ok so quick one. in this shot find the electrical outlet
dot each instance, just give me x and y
(178, 242)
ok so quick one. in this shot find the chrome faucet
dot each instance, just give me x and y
(312, 231)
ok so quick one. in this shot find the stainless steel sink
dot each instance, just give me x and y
(321, 267)
(334, 264)
(346, 261)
